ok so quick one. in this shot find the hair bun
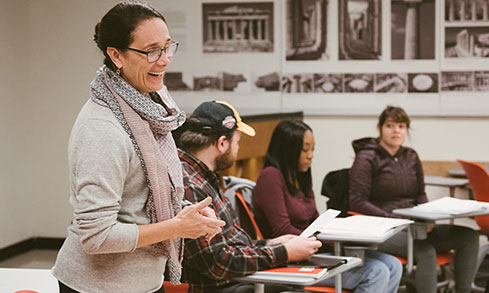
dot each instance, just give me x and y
(96, 36)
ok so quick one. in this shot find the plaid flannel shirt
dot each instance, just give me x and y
(213, 264)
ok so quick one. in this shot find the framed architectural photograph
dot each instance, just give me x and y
(422, 82)
(235, 82)
(360, 29)
(463, 10)
(328, 83)
(306, 29)
(208, 83)
(359, 83)
(297, 83)
(269, 82)
(232, 27)
(174, 81)
(481, 81)
(457, 81)
(390, 83)
(467, 42)
(413, 29)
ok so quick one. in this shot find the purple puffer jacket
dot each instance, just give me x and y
(380, 183)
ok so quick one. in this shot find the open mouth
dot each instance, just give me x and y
(157, 74)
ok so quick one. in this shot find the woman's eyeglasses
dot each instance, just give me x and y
(155, 54)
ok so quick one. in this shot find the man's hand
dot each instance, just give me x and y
(300, 248)
(281, 239)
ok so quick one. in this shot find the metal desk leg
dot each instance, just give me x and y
(410, 251)
(259, 288)
(452, 191)
(337, 280)
(452, 194)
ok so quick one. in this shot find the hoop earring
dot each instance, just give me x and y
(118, 71)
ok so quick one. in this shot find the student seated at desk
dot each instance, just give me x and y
(209, 144)
(386, 176)
(283, 202)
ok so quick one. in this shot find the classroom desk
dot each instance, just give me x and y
(367, 241)
(426, 219)
(451, 183)
(459, 173)
(260, 281)
(38, 280)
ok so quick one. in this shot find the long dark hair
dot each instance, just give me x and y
(116, 27)
(284, 151)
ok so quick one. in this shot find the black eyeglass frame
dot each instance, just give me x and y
(158, 49)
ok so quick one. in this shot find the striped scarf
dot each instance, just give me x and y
(149, 127)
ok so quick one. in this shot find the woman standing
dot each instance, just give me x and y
(283, 202)
(125, 177)
(387, 175)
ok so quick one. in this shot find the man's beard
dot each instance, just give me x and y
(224, 161)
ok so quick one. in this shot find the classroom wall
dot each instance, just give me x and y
(47, 62)
(15, 124)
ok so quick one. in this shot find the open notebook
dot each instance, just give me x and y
(313, 268)
(362, 225)
(452, 206)
(353, 225)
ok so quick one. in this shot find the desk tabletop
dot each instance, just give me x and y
(445, 181)
(374, 239)
(39, 280)
(298, 281)
(412, 213)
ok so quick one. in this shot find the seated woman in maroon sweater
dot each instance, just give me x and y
(283, 202)
(387, 175)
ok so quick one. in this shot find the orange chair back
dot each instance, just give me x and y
(240, 197)
(479, 181)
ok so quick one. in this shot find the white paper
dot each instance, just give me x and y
(362, 225)
(319, 222)
(453, 206)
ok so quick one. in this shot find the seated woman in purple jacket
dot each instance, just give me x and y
(387, 176)
(283, 202)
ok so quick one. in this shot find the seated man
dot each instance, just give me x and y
(209, 144)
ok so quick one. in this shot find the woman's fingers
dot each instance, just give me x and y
(203, 204)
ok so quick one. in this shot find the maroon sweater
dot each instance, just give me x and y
(380, 183)
(277, 212)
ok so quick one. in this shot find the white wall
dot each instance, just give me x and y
(48, 58)
(16, 143)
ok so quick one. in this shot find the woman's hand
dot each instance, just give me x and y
(208, 212)
(198, 220)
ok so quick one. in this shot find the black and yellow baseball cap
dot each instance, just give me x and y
(219, 117)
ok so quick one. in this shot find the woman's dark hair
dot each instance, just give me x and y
(284, 151)
(397, 114)
(116, 27)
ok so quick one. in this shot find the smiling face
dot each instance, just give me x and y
(393, 134)
(307, 152)
(135, 69)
